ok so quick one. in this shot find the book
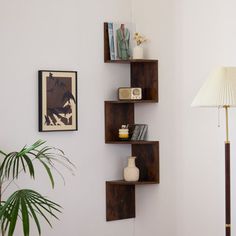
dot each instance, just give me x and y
(121, 41)
(111, 41)
(144, 133)
(135, 132)
(140, 131)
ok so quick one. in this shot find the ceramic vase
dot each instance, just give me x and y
(138, 52)
(131, 172)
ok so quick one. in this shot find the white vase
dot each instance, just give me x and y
(131, 172)
(138, 52)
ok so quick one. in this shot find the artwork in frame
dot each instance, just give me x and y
(57, 100)
(120, 36)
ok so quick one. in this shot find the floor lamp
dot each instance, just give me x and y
(219, 91)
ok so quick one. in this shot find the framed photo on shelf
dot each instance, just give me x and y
(57, 100)
(138, 131)
(120, 40)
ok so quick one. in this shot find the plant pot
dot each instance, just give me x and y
(138, 52)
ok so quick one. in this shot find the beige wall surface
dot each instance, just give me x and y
(64, 35)
(190, 39)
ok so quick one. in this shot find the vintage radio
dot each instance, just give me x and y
(126, 93)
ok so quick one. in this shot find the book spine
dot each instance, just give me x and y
(135, 133)
(111, 41)
(115, 25)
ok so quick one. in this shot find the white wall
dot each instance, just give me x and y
(156, 205)
(64, 35)
(190, 38)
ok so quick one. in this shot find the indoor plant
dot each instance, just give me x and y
(27, 204)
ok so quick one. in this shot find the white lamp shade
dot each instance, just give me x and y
(219, 89)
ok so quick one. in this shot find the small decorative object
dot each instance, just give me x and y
(124, 132)
(131, 172)
(57, 100)
(138, 49)
(126, 93)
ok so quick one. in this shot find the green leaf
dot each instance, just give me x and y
(14, 215)
(30, 165)
(34, 216)
(3, 153)
(26, 204)
(30, 203)
(16, 162)
(25, 217)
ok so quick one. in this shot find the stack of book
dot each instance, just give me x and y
(139, 132)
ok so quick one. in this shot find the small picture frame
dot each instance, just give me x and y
(57, 100)
(119, 40)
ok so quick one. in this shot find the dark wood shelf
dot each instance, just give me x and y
(117, 114)
(123, 182)
(147, 160)
(131, 61)
(120, 194)
(143, 72)
(120, 201)
(145, 75)
(131, 142)
(133, 101)
(107, 52)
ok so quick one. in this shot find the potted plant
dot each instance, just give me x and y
(26, 204)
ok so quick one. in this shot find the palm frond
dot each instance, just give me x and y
(3, 153)
(16, 162)
(30, 205)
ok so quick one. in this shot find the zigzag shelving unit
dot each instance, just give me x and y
(120, 194)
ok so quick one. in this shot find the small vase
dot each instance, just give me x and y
(131, 172)
(138, 52)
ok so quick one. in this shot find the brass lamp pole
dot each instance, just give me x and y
(227, 177)
(219, 90)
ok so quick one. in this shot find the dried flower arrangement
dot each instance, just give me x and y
(139, 38)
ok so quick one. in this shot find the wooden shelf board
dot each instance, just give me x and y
(120, 201)
(123, 182)
(133, 101)
(131, 61)
(131, 142)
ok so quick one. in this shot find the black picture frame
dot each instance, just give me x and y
(58, 101)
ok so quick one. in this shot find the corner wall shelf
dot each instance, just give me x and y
(120, 194)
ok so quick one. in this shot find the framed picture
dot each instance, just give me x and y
(57, 100)
(120, 36)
